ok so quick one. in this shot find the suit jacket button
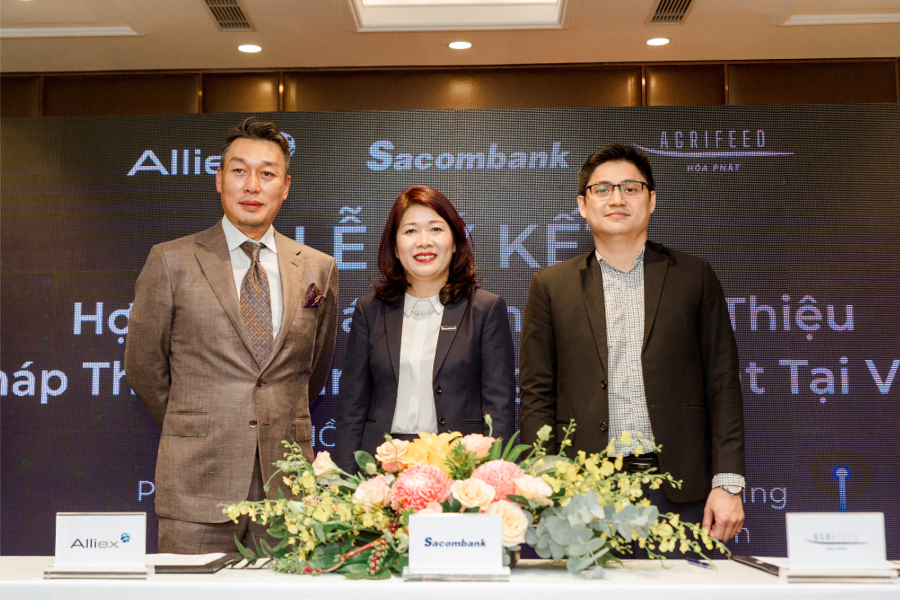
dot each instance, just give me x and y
(260, 383)
(438, 390)
(603, 383)
(253, 423)
(604, 426)
(441, 421)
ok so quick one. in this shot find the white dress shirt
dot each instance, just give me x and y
(268, 258)
(415, 410)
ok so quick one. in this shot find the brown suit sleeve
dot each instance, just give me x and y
(537, 365)
(149, 336)
(326, 333)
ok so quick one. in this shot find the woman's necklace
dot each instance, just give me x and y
(422, 313)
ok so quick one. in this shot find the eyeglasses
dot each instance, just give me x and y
(628, 189)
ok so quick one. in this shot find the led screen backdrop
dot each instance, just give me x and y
(797, 208)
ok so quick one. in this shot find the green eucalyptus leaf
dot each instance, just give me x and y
(580, 533)
(557, 551)
(595, 544)
(598, 572)
(576, 549)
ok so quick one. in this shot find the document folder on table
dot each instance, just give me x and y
(207, 568)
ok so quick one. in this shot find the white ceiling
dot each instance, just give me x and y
(182, 34)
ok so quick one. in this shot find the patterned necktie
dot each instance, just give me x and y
(256, 305)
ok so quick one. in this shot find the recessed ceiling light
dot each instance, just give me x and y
(658, 42)
(460, 45)
(249, 48)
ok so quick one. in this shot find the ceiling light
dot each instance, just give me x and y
(657, 42)
(460, 45)
(249, 48)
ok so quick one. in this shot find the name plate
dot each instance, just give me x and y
(835, 541)
(457, 546)
(115, 541)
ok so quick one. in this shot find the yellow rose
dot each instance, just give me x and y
(473, 492)
(514, 521)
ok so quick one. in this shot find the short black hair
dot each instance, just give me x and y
(611, 153)
(254, 129)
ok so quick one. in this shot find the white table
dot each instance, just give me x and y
(21, 578)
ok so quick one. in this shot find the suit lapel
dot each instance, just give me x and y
(290, 271)
(592, 289)
(393, 329)
(215, 262)
(655, 264)
(452, 317)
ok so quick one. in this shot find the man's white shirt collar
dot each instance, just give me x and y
(234, 237)
(410, 302)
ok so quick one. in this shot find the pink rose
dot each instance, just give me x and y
(373, 493)
(390, 454)
(534, 489)
(433, 508)
(479, 444)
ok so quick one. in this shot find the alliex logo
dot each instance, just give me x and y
(189, 162)
(94, 543)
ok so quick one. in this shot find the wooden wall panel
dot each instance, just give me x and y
(20, 96)
(812, 83)
(240, 92)
(684, 85)
(462, 88)
(840, 82)
(120, 94)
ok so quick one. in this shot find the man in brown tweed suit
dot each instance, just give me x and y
(231, 334)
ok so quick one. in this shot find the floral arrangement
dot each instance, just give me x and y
(585, 508)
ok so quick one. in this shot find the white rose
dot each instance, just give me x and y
(323, 466)
(534, 489)
(473, 492)
(514, 521)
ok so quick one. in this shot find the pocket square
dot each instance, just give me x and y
(313, 297)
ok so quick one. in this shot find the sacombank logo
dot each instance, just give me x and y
(185, 161)
(492, 157)
(713, 143)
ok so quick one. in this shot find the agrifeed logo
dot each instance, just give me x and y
(714, 150)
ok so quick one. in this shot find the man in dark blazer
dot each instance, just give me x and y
(228, 341)
(636, 336)
(473, 373)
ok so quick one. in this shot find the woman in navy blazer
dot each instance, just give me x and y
(428, 276)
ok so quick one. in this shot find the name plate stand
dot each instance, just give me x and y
(455, 547)
(100, 546)
(837, 547)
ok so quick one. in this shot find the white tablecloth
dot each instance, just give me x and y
(21, 578)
